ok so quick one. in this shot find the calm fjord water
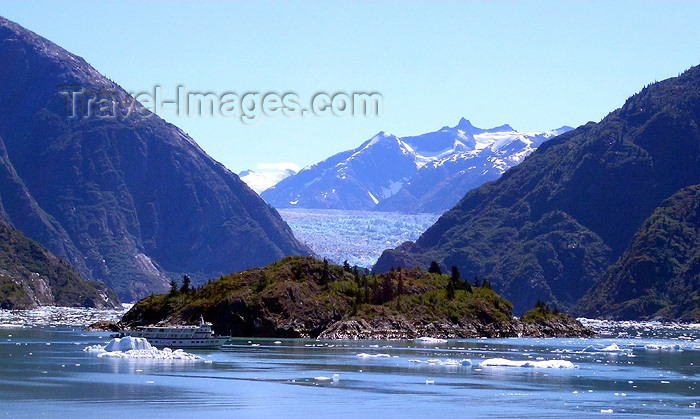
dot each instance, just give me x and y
(635, 371)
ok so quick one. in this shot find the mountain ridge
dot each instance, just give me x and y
(658, 276)
(131, 201)
(424, 173)
(551, 226)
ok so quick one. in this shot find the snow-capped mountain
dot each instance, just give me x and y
(475, 157)
(424, 173)
(260, 181)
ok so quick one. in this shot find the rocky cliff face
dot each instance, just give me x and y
(31, 276)
(125, 198)
(551, 226)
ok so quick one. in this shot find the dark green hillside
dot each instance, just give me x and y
(550, 227)
(30, 276)
(659, 274)
(303, 297)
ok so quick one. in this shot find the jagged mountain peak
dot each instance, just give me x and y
(465, 124)
(423, 173)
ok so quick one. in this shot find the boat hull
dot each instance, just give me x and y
(214, 343)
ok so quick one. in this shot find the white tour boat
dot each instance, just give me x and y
(175, 337)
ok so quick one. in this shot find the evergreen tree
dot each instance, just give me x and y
(455, 274)
(376, 295)
(434, 268)
(450, 289)
(387, 289)
(347, 267)
(325, 274)
(366, 284)
(185, 289)
(399, 291)
(476, 281)
(297, 271)
(358, 297)
(173, 287)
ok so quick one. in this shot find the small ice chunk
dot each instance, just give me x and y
(654, 347)
(364, 355)
(427, 339)
(611, 348)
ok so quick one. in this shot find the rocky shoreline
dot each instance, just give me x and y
(401, 328)
(386, 326)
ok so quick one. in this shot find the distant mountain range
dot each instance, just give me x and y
(424, 173)
(131, 201)
(581, 223)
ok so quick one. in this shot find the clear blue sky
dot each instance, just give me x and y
(534, 65)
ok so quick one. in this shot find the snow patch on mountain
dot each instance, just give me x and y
(423, 173)
(267, 175)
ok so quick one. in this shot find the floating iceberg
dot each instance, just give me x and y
(611, 348)
(364, 355)
(127, 344)
(130, 347)
(58, 316)
(333, 379)
(554, 363)
(427, 339)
